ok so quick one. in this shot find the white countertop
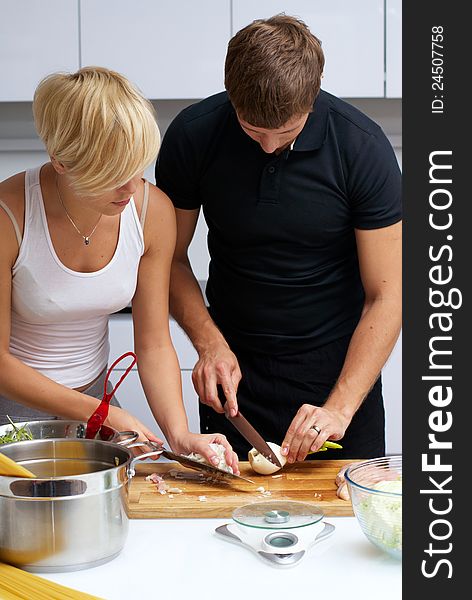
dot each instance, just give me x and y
(184, 558)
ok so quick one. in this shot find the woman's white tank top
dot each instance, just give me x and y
(59, 317)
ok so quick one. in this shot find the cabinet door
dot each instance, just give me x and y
(392, 393)
(121, 340)
(186, 353)
(131, 396)
(352, 34)
(36, 38)
(120, 334)
(394, 48)
(168, 49)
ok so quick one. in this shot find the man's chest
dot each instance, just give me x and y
(292, 198)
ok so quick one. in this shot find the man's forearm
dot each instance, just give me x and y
(187, 306)
(370, 346)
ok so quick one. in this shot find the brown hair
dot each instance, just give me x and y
(273, 70)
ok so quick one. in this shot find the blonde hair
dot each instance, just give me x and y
(98, 125)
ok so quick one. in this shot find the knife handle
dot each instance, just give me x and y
(222, 399)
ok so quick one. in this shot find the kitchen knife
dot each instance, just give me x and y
(255, 439)
(191, 463)
(249, 433)
(200, 466)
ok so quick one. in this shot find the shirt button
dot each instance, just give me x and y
(271, 170)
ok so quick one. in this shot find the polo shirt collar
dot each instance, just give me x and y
(313, 134)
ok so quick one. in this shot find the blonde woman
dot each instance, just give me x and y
(80, 237)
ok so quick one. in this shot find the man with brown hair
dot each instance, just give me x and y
(301, 195)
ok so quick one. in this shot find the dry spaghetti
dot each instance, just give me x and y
(16, 584)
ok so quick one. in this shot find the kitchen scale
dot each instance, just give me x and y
(279, 532)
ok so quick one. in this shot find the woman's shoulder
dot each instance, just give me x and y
(156, 197)
(12, 196)
(159, 223)
(12, 193)
(12, 190)
(159, 202)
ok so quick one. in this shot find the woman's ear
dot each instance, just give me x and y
(58, 166)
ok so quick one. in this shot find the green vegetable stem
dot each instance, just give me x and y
(327, 446)
(15, 434)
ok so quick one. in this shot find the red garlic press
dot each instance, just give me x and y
(101, 413)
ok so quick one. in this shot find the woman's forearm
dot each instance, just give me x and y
(25, 385)
(159, 373)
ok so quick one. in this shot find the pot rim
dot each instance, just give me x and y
(108, 479)
(90, 475)
(55, 423)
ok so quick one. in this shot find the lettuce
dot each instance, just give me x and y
(382, 515)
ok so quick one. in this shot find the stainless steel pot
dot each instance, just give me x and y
(60, 428)
(73, 515)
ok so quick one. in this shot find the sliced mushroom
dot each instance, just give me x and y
(260, 464)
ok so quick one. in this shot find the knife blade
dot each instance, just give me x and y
(200, 466)
(191, 463)
(248, 432)
(253, 437)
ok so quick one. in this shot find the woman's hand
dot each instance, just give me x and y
(200, 444)
(341, 483)
(217, 365)
(310, 428)
(121, 420)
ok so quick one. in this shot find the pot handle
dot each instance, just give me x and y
(129, 438)
(131, 470)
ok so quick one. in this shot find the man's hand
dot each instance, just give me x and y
(200, 444)
(310, 428)
(217, 365)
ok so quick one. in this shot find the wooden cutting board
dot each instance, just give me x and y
(311, 481)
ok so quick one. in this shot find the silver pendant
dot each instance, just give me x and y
(86, 240)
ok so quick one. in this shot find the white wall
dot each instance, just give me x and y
(20, 149)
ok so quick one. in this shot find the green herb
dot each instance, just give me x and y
(327, 445)
(15, 434)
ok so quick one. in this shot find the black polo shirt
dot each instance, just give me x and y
(284, 274)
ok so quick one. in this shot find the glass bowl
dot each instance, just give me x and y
(375, 487)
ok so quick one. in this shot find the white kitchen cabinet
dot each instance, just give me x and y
(186, 353)
(131, 397)
(392, 394)
(394, 49)
(168, 49)
(121, 340)
(36, 38)
(352, 36)
(120, 334)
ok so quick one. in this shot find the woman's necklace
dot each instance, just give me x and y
(85, 237)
